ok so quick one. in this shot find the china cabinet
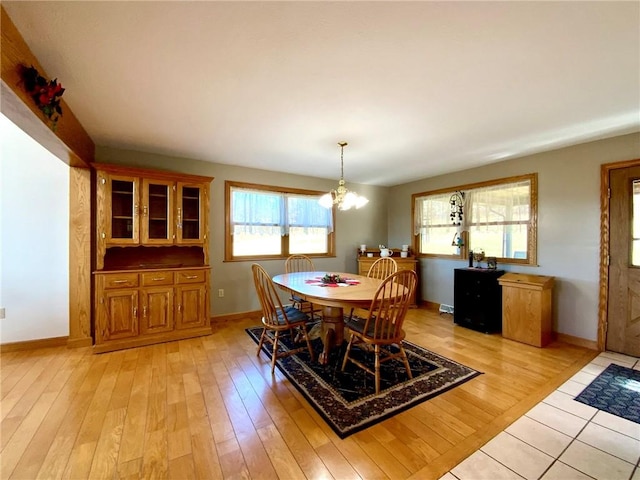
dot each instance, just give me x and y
(152, 256)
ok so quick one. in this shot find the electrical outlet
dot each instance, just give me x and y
(2, 313)
(221, 292)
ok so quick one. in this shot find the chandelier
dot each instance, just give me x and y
(342, 197)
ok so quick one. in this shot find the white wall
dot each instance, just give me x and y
(568, 226)
(34, 239)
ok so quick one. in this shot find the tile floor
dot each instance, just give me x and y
(561, 439)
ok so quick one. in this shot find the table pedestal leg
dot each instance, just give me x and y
(332, 331)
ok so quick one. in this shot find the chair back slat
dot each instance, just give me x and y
(382, 268)
(298, 263)
(389, 308)
(268, 296)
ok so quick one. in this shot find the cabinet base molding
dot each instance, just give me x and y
(35, 344)
(151, 339)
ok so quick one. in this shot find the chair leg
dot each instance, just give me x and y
(377, 368)
(406, 361)
(308, 339)
(264, 332)
(275, 352)
(346, 354)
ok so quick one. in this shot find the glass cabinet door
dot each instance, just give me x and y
(157, 211)
(123, 196)
(190, 208)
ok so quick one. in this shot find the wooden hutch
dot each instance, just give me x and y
(152, 257)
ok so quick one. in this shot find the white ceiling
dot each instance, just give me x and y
(416, 88)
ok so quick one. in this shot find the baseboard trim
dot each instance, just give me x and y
(577, 341)
(561, 337)
(80, 342)
(431, 306)
(232, 317)
(34, 344)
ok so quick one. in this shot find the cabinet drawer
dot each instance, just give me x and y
(151, 279)
(121, 280)
(196, 276)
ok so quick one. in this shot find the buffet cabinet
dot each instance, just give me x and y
(145, 307)
(152, 257)
(477, 299)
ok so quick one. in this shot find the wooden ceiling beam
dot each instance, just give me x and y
(70, 142)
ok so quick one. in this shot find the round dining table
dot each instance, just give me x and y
(355, 291)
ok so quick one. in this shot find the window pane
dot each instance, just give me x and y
(257, 208)
(305, 211)
(635, 250)
(437, 240)
(308, 240)
(261, 241)
(502, 241)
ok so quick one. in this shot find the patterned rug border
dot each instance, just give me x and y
(347, 417)
(606, 394)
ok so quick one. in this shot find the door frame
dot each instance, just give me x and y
(603, 301)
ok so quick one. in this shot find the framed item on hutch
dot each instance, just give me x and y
(492, 264)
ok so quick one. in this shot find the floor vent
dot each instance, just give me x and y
(446, 308)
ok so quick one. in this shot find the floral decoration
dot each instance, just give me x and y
(332, 278)
(45, 94)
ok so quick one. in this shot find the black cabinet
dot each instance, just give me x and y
(477, 299)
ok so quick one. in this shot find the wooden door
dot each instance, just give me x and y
(157, 310)
(118, 317)
(191, 308)
(156, 221)
(623, 313)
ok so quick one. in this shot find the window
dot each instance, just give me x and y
(499, 218)
(635, 225)
(275, 222)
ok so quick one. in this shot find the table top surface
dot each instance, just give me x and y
(307, 284)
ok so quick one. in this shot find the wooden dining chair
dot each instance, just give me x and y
(278, 318)
(380, 269)
(382, 327)
(302, 263)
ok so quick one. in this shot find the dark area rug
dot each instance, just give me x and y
(347, 400)
(616, 390)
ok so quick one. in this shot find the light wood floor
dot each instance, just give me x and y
(209, 408)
